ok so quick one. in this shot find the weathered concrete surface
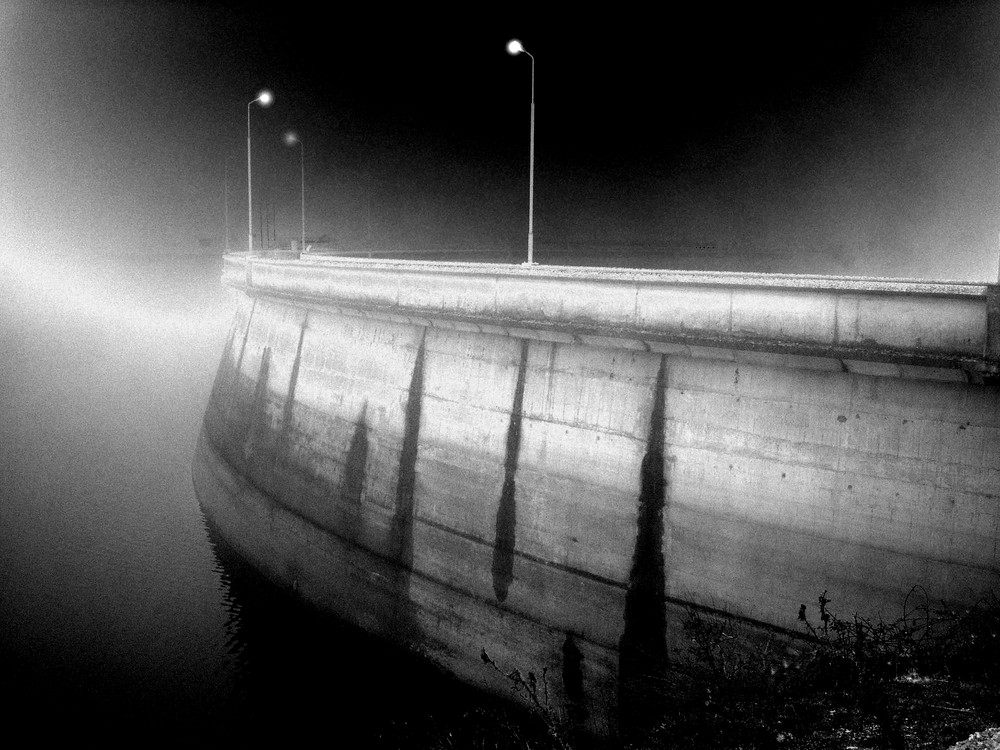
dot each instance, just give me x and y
(553, 463)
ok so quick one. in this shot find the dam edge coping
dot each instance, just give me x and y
(805, 282)
(887, 362)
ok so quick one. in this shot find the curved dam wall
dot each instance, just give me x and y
(554, 463)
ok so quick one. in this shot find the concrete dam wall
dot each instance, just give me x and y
(553, 463)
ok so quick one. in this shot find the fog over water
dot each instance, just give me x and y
(110, 595)
(120, 611)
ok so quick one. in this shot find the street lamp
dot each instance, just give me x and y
(291, 139)
(514, 47)
(229, 244)
(265, 98)
(225, 192)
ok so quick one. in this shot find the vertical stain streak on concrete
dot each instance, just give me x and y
(506, 522)
(401, 540)
(225, 371)
(550, 369)
(246, 335)
(289, 406)
(353, 485)
(572, 677)
(400, 547)
(256, 427)
(235, 384)
(642, 649)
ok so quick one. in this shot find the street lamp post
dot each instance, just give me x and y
(225, 191)
(265, 98)
(291, 139)
(514, 47)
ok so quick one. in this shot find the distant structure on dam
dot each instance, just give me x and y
(554, 463)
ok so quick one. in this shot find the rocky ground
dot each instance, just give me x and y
(988, 739)
(918, 714)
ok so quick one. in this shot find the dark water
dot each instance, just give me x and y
(121, 612)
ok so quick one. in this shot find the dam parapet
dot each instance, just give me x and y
(555, 463)
(907, 322)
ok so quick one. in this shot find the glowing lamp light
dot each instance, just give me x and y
(514, 47)
(264, 98)
(291, 138)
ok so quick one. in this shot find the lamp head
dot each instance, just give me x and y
(514, 47)
(291, 138)
(265, 97)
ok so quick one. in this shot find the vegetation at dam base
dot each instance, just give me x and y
(927, 680)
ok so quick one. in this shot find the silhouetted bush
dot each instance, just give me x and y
(933, 673)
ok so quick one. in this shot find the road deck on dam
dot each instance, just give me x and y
(556, 463)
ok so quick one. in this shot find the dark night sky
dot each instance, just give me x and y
(842, 130)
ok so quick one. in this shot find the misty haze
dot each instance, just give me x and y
(854, 144)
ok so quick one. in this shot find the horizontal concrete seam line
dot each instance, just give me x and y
(234, 476)
(417, 518)
(903, 417)
(466, 406)
(855, 456)
(840, 540)
(759, 456)
(526, 555)
(374, 438)
(607, 490)
(586, 426)
(809, 510)
(912, 357)
(609, 582)
(763, 441)
(790, 465)
(634, 275)
(529, 416)
(746, 395)
(718, 612)
(425, 521)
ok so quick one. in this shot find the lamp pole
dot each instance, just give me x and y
(265, 98)
(290, 139)
(226, 199)
(514, 47)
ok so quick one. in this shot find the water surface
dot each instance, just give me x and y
(120, 609)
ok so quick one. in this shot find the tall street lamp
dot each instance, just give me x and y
(291, 139)
(226, 199)
(514, 47)
(265, 98)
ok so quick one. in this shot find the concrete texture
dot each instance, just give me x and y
(554, 463)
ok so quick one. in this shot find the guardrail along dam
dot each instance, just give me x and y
(554, 463)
